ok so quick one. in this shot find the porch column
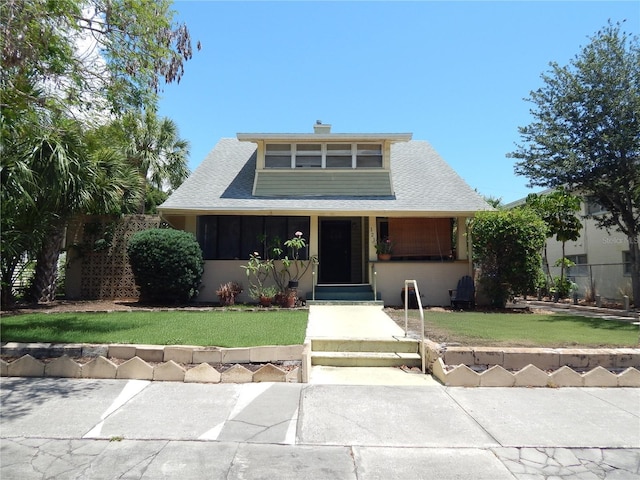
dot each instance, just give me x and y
(373, 238)
(314, 235)
(462, 239)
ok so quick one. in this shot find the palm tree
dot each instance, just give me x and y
(50, 172)
(155, 150)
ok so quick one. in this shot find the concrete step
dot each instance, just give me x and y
(395, 345)
(347, 292)
(343, 302)
(365, 359)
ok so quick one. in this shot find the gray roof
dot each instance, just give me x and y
(423, 183)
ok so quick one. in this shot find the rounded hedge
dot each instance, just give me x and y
(167, 265)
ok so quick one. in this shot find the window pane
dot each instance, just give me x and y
(228, 237)
(278, 148)
(308, 147)
(338, 162)
(276, 232)
(369, 149)
(369, 156)
(339, 149)
(307, 161)
(580, 269)
(206, 234)
(278, 155)
(369, 161)
(252, 230)
(626, 267)
(274, 161)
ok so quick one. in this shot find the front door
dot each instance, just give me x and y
(340, 251)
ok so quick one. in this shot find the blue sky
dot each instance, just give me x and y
(452, 73)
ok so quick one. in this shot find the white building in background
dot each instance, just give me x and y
(603, 263)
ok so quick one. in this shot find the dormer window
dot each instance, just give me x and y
(369, 156)
(323, 155)
(278, 155)
(308, 155)
(339, 156)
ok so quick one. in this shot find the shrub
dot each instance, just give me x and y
(167, 265)
(227, 292)
(507, 245)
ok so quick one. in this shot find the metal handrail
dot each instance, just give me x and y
(374, 278)
(406, 317)
(313, 281)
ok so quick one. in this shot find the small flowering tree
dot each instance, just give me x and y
(293, 267)
(258, 271)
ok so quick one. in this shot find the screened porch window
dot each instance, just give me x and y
(235, 237)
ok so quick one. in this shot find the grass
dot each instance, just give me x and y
(287, 327)
(522, 329)
(210, 328)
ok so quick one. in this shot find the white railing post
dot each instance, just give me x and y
(375, 284)
(313, 281)
(406, 317)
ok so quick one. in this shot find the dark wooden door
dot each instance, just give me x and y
(335, 251)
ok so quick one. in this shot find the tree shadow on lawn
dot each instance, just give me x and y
(594, 322)
(58, 327)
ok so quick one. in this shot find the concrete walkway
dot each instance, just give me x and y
(351, 321)
(359, 322)
(136, 429)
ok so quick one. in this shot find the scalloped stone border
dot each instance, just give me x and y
(452, 366)
(136, 368)
(151, 362)
(533, 367)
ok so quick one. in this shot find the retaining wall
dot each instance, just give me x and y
(533, 367)
(152, 362)
(452, 366)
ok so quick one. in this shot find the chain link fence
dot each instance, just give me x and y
(611, 281)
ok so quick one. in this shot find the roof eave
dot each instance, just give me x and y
(315, 137)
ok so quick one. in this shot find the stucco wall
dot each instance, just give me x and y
(217, 272)
(434, 280)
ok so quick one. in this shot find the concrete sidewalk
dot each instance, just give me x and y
(103, 429)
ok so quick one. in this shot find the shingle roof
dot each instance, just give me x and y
(422, 181)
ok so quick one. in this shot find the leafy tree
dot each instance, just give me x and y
(585, 135)
(167, 265)
(558, 210)
(86, 51)
(65, 65)
(507, 245)
(48, 175)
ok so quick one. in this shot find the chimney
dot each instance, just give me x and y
(320, 127)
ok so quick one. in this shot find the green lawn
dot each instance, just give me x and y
(523, 329)
(205, 328)
(287, 327)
